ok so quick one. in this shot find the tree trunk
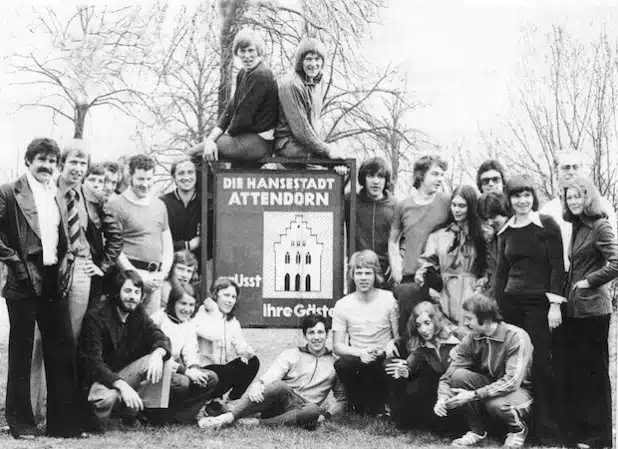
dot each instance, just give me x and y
(80, 119)
(232, 12)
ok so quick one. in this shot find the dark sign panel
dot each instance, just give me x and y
(279, 234)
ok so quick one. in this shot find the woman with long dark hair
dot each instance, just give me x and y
(593, 253)
(458, 251)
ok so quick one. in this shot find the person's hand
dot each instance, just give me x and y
(197, 376)
(391, 349)
(129, 396)
(155, 366)
(440, 408)
(194, 243)
(92, 270)
(210, 152)
(175, 365)
(581, 284)
(462, 397)
(488, 232)
(150, 283)
(341, 170)
(398, 368)
(21, 274)
(321, 419)
(554, 316)
(481, 283)
(367, 356)
(255, 392)
(419, 278)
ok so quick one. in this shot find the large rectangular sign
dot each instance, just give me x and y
(279, 234)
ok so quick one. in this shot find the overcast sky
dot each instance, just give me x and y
(462, 60)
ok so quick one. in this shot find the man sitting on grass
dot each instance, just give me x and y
(291, 391)
(490, 371)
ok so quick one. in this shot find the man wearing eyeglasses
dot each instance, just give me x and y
(490, 177)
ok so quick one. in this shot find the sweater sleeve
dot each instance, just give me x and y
(224, 121)
(429, 258)
(91, 353)
(189, 350)
(154, 337)
(462, 359)
(280, 367)
(294, 104)
(555, 255)
(605, 243)
(341, 399)
(203, 328)
(255, 88)
(239, 341)
(502, 268)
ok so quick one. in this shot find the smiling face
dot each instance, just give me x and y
(575, 200)
(226, 299)
(183, 273)
(184, 308)
(316, 338)
(425, 326)
(312, 64)
(522, 202)
(569, 166)
(491, 181)
(95, 182)
(185, 176)
(74, 168)
(130, 297)
(459, 208)
(375, 184)
(248, 56)
(364, 279)
(472, 323)
(141, 182)
(43, 167)
(432, 182)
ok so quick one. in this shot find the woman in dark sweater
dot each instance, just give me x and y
(594, 263)
(530, 265)
(245, 130)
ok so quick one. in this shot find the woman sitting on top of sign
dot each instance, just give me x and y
(222, 346)
(245, 130)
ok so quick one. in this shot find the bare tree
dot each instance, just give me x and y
(92, 60)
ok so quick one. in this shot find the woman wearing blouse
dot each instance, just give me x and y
(530, 265)
(593, 253)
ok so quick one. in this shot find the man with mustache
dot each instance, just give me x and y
(148, 246)
(34, 247)
(119, 348)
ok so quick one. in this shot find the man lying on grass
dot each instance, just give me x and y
(291, 391)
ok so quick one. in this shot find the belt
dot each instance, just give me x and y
(148, 266)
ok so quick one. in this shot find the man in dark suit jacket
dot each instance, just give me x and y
(33, 245)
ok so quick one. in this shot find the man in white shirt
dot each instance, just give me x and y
(33, 245)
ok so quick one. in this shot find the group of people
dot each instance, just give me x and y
(472, 312)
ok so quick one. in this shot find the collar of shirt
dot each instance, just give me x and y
(181, 200)
(129, 195)
(535, 218)
(40, 188)
(498, 335)
(450, 340)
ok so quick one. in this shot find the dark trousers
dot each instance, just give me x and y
(281, 406)
(187, 398)
(63, 404)
(244, 149)
(530, 313)
(588, 388)
(365, 383)
(408, 294)
(235, 377)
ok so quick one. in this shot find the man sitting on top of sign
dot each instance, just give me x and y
(245, 130)
(301, 95)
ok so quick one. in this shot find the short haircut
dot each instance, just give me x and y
(593, 207)
(366, 259)
(96, 169)
(518, 184)
(112, 167)
(185, 257)
(141, 162)
(75, 147)
(221, 284)
(489, 164)
(375, 166)
(44, 146)
(177, 291)
(424, 164)
(246, 37)
(493, 204)
(181, 161)
(483, 307)
(311, 320)
(568, 152)
(120, 278)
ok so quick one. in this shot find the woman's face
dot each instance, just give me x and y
(459, 208)
(226, 299)
(522, 202)
(425, 327)
(575, 201)
(183, 273)
(184, 308)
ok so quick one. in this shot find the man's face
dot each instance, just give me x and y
(95, 182)
(312, 65)
(226, 299)
(184, 308)
(43, 167)
(491, 181)
(375, 183)
(364, 279)
(496, 222)
(472, 323)
(569, 166)
(141, 182)
(248, 56)
(432, 182)
(74, 168)
(185, 176)
(130, 297)
(316, 338)
(183, 273)
(110, 183)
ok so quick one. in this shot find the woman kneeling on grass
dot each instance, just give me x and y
(191, 386)
(222, 346)
(414, 382)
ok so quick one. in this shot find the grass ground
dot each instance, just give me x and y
(357, 433)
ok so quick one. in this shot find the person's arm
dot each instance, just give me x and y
(293, 102)
(239, 342)
(394, 255)
(611, 214)
(167, 254)
(502, 269)
(555, 255)
(190, 350)
(258, 86)
(339, 404)
(428, 259)
(224, 120)
(280, 367)
(154, 338)
(341, 348)
(462, 356)
(605, 242)
(113, 237)
(8, 255)
(90, 353)
(204, 326)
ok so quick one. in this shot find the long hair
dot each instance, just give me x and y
(176, 293)
(423, 165)
(185, 257)
(221, 284)
(120, 278)
(593, 208)
(365, 259)
(440, 323)
(375, 166)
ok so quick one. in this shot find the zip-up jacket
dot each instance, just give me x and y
(373, 223)
(310, 376)
(505, 357)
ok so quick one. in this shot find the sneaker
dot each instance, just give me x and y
(248, 422)
(214, 408)
(516, 440)
(469, 439)
(230, 404)
(216, 422)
